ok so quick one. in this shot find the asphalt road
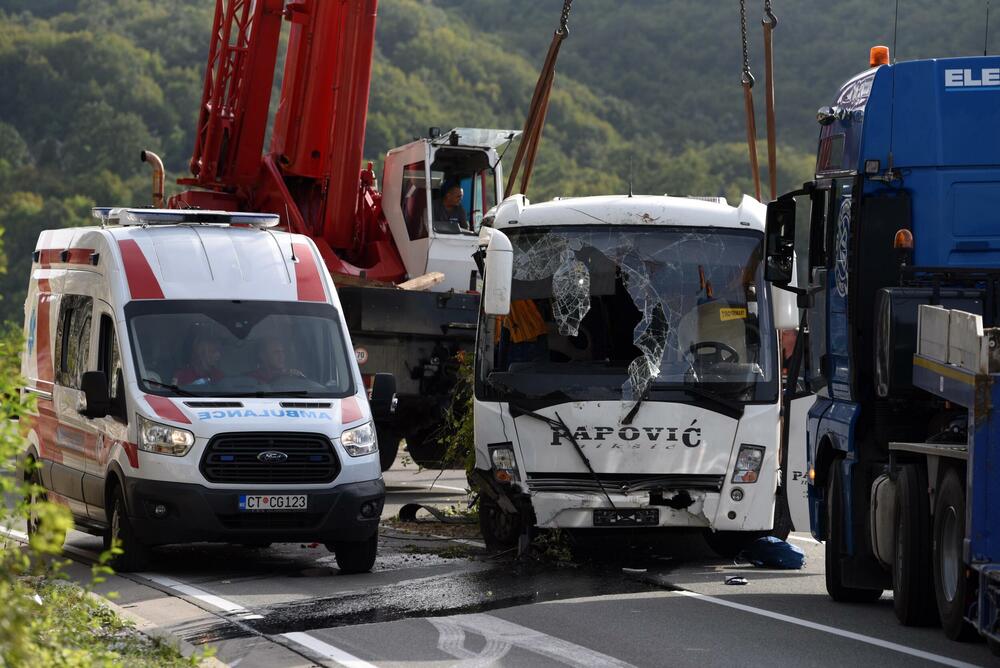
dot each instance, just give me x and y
(435, 601)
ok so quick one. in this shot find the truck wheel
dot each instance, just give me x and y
(355, 556)
(913, 591)
(834, 539)
(388, 446)
(728, 544)
(500, 529)
(950, 583)
(425, 450)
(135, 554)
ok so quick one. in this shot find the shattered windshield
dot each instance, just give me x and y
(625, 311)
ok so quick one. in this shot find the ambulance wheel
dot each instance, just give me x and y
(388, 446)
(501, 530)
(33, 495)
(834, 539)
(728, 544)
(134, 555)
(355, 556)
(913, 591)
(951, 586)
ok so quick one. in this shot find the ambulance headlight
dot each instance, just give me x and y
(360, 440)
(748, 463)
(164, 439)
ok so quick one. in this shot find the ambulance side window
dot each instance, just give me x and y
(108, 358)
(73, 335)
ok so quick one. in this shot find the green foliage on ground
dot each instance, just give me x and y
(45, 621)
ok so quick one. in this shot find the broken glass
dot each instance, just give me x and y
(693, 294)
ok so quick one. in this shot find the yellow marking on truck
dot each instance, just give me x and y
(732, 314)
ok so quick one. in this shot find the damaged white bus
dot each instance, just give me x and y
(628, 369)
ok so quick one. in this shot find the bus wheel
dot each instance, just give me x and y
(388, 447)
(500, 529)
(728, 544)
(913, 592)
(834, 539)
(951, 586)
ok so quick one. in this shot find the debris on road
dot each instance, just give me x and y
(736, 580)
(772, 552)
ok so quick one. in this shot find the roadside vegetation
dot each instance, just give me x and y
(44, 619)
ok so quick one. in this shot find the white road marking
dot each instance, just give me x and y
(804, 539)
(501, 635)
(461, 490)
(201, 595)
(328, 651)
(878, 642)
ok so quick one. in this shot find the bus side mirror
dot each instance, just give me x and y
(779, 241)
(499, 274)
(94, 385)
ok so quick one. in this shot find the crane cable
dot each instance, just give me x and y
(770, 22)
(538, 109)
(747, 80)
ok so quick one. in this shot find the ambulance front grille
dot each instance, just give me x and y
(234, 458)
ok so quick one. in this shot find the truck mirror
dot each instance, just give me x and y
(786, 309)
(499, 274)
(383, 399)
(779, 241)
(94, 385)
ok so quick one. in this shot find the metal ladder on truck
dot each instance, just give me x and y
(959, 361)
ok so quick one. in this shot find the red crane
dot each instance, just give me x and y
(308, 175)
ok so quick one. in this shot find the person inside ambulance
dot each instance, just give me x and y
(273, 362)
(203, 365)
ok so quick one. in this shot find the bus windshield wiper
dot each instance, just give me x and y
(168, 386)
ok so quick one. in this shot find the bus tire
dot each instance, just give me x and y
(913, 589)
(834, 539)
(951, 586)
(729, 544)
(501, 530)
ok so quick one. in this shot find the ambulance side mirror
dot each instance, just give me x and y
(383, 399)
(779, 241)
(94, 385)
(499, 274)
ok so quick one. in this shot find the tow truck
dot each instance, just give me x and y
(901, 307)
(406, 280)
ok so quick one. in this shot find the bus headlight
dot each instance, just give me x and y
(164, 439)
(504, 463)
(748, 463)
(360, 440)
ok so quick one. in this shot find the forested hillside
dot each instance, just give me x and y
(88, 83)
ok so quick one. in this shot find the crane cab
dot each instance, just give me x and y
(436, 230)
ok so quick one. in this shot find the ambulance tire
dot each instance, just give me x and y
(834, 539)
(33, 477)
(135, 554)
(355, 556)
(912, 583)
(951, 586)
(388, 447)
(501, 530)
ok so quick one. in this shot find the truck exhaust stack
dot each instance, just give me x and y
(158, 176)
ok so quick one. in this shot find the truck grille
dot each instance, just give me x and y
(233, 458)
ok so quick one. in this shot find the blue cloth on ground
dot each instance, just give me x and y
(772, 552)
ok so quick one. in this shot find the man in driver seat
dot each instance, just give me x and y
(272, 362)
(449, 210)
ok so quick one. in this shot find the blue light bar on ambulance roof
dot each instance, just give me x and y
(144, 217)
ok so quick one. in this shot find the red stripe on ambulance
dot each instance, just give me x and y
(43, 340)
(166, 409)
(307, 276)
(350, 411)
(142, 283)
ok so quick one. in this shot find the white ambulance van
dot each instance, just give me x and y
(195, 382)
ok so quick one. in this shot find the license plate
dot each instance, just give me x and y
(631, 517)
(273, 501)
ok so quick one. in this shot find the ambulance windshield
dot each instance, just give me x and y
(239, 349)
(616, 312)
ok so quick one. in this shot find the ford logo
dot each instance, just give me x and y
(272, 457)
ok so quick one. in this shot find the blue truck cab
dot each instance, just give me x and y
(904, 211)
